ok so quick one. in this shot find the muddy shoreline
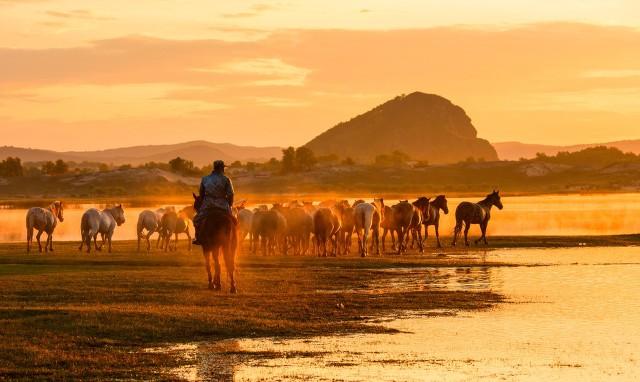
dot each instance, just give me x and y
(70, 315)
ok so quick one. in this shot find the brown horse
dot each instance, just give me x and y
(420, 214)
(218, 233)
(437, 204)
(403, 217)
(475, 213)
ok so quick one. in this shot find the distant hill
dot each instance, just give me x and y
(200, 152)
(517, 150)
(424, 126)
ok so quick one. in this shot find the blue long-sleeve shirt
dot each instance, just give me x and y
(217, 191)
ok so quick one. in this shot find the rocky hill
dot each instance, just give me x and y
(424, 126)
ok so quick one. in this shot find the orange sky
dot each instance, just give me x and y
(97, 74)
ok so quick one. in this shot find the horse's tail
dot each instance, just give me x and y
(139, 228)
(85, 227)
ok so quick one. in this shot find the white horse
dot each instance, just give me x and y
(367, 218)
(245, 220)
(44, 220)
(103, 222)
(147, 220)
(173, 223)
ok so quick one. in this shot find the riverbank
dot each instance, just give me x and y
(69, 315)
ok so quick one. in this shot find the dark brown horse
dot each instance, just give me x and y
(435, 206)
(218, 233)
(475, 213)
(421, 213)
(403, 216)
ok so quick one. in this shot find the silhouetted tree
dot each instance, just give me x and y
(11, 167)
(305, 159)
(183, 166)
(58, 167)
(288, 160)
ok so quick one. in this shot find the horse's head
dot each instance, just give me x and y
(494, 197)
(423, 205)
(197, 202)
(441, 202)
(189, 212)
(279, 207)
(118, 214)
(58, 210)
(240, 205)
(359, 201)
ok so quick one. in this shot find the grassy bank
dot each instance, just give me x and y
(69, 315)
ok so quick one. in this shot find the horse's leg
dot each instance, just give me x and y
(189, 239)
(456, 232)
(413, 238)
(216, 267)
(376, 239)
(207, 264)
(175, 242)
(385, 231)
(420, 244)
(149, 241)
(230, 264)
(139, 238)
(437, 228)
(400, 240)
(109, 238)
(394, 235)
(166, 240)
(38, 239)
(365, 236)
(88, 241)
(50, 238)
(30, 238)
(483, 228)
(467, 225)
(426, 235)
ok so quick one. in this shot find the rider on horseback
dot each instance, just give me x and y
(216, 192)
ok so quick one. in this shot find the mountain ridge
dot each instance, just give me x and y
(514, 150)
(200, 152)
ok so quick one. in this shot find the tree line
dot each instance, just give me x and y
(296, 160)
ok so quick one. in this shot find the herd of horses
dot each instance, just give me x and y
(324, 229)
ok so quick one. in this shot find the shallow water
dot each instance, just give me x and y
(604, 214)
(575, 318)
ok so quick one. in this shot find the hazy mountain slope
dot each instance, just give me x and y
(201, 152)
(517, 150)
(424, 126)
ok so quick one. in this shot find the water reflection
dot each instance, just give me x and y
(574, 319)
